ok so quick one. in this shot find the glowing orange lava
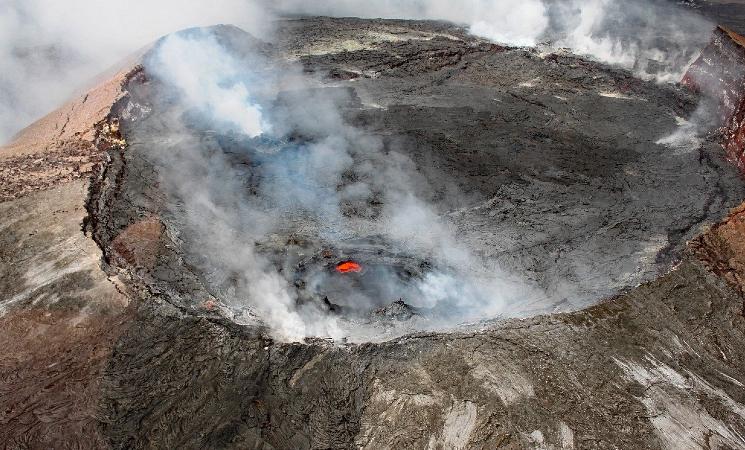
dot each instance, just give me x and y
(348, 266)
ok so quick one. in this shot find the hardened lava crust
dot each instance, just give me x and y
(116, 337)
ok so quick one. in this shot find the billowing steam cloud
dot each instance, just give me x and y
(301, 187)
(655, 39)
(518, 23)
(296, 129)
(49, 49)
(200, 73)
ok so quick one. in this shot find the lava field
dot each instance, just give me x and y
(411, 237)
(544, 186)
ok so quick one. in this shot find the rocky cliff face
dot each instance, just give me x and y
(719, 73)
(565, 183)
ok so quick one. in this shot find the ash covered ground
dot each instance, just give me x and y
(528, 225)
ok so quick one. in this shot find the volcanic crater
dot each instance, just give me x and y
(539, 183)
(405, 237)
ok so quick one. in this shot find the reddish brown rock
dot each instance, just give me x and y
(138, 244)
(66, 144)
(51, 376)
(722, 248)
(719, 73)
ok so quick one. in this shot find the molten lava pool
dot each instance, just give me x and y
(348, 266)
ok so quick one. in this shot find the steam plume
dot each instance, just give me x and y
(224, 225)
(655, 39)
(49, 49)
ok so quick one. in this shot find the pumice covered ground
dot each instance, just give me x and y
(411, 238)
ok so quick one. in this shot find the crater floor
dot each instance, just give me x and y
(549, 170)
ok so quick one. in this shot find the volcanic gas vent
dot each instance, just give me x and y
(348, 266)
(359, 279)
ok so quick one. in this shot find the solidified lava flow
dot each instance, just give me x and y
(434, 242)
(348, 266)
(339, 185)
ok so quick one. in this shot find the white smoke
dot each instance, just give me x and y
(714, 79)
(690, 132)
(223, 225)
(208, 80)
(655, 39)
(581, 37)
(511, 22)
(473, 288)
(50, 49)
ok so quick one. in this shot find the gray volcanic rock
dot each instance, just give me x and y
(398, 310)
(565, 182)
(657, 368)
(547, 163)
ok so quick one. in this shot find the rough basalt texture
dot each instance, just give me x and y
(720, 74)
(661, 365)
(61, 146)
(60, 315)
(722, 248)
(657, 368)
